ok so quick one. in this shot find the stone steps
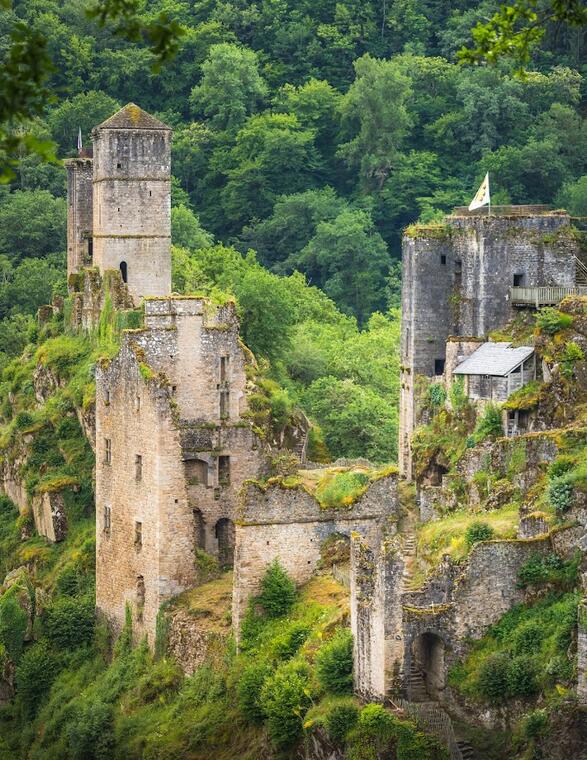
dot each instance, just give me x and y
(417, 685)
(466, 750)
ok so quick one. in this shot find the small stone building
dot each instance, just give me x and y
(172, 448)
(495, 370)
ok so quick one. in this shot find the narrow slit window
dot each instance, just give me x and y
(90, 248)
(223, 369)
(107, 398)
(138, 535)
(107, 451)
(443, 259)
(107, 520)
(124, 271)
(138, 467)
(138, 403)
(224, 404)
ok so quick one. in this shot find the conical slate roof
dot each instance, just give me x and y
(132, 117)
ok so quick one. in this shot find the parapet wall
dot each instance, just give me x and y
(289, 525)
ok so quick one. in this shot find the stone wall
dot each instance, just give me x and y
(457, 280)
(289, 525)
(163, 451)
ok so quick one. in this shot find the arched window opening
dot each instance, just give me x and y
(124, 271)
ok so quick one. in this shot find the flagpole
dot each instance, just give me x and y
(489, 193)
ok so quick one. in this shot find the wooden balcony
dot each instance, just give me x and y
(545, 296)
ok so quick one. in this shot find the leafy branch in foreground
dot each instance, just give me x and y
(514, 29)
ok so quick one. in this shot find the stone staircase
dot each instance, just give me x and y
(409, 552)
(466, 750)
(417, 685)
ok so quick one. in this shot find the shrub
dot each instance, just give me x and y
(489, 426)
(288, 643)
(571, 354)
(492, 680)
(458, 397)
(278, 591)
(69, 623)
(560, 494)
(478, 531)
(23, 420)
(534, 723)
(249, 689)
(34, 675)
(13, 624)
(285, 700)
(90, 734)
(342, 489)
(548, 569)
(334, 663)
(436, 395)
(551, 320)
(340, 720)
(560, 466)
(528, 638)
(521, 677)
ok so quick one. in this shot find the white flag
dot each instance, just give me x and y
(482, 198)
(79, 140)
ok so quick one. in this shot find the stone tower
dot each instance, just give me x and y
(79, 213)
(457, 281)
(132, 200)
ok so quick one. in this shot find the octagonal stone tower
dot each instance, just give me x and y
(132, 200)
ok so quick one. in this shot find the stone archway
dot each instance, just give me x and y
(427, 679)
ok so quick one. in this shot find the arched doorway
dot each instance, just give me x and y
(124, 271)
(427, 671)
(224, 532)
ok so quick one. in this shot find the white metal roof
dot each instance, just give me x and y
(497, 359)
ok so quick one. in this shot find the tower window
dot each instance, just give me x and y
(224, 470)
(140, 597)
(443, 259)
(119, 166)
(90, 248)
(223, 369)
(124, 271)
(107, 451)
(138, 535)
(107, 398)
(137, 403)
(150, 193)
(138, 467)
(518, 280)
(107, 520)
(439, 366)
(224, 405)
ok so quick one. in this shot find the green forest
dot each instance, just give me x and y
(306, 137)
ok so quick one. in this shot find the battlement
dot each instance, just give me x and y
(508, 211)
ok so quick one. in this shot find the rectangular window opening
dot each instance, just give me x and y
(138, 467)
(107, 451)
(138, 403)
(224, 368)
(107, 398)
(439, 366)
(519, 280)
(443, 259)
(224, 470)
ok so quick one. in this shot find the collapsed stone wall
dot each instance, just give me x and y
(288, 524)
(458, 603)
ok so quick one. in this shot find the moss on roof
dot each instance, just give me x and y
(132, 117)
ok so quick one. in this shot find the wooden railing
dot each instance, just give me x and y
(546, 296)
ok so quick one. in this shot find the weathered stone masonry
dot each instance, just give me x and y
(456, 282)
(172, 448)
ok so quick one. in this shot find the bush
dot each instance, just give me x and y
(490, 425)
(551, 320)
(69, 623)
(572, 354)
(249, 689)
(478, 531)
(342, 489)
(548, 569)
(278, 591)
(560, 494)
(340, 721)
(527, 638)
(13, 623)
(334, 663)
(287, 644)
(534, 723)
(436, 395)
(34, 675)
(90, 734)
(285, 700)
(492, 680)
(521, 677)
